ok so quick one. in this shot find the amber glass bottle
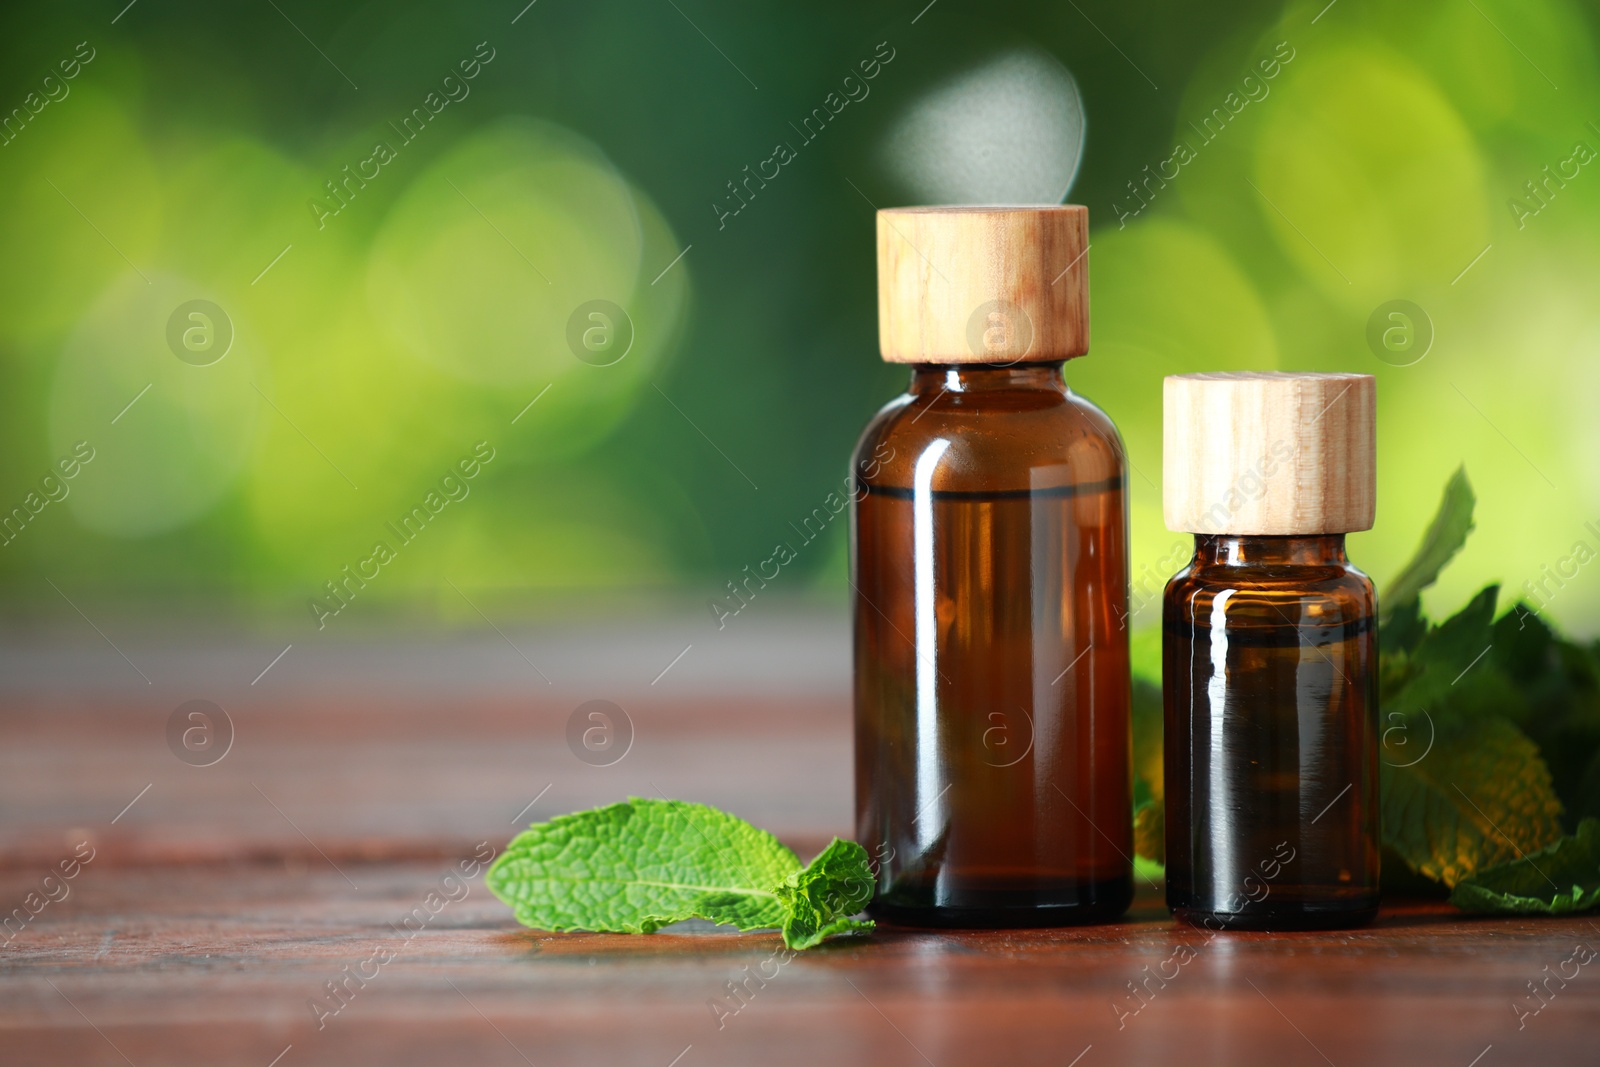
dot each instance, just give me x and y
(1270, 653)
(989, 573)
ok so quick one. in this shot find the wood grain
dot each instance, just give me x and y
(983, 285)
(217, 964)
(211, 917)
(1268, 452)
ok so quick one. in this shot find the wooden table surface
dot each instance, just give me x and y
(221, 900)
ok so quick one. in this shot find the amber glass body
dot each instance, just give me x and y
(1270, 672)
(989, 573)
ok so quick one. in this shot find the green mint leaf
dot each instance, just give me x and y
(1585, 787)
(1464, 636)
(1452, 666)
(822, 898)
(634, 867)
(1558, 880)
(1404, 627)
(1479, 796)
(1525, 645)
(1144, 651)
(1558, 683)
(1148, 781)
(1150, 832)
(1445, 536)
(1149, 871)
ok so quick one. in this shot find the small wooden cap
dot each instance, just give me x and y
(983, 285)
(1270, 453)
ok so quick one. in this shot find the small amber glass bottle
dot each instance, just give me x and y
(1270, 653)
(990, 581)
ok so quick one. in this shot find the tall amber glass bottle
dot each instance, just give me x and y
(1270, 653)
(990, 575)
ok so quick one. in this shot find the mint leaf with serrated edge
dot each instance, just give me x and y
(1443, 539)
(642, 864)
(1490, 728)
(823, 897)
(1558, 686)
(1479, 797)
(1150, 832)
(1452, 671)
(1559, 880)
(636, 866)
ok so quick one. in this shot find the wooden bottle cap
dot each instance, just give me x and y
(1269, 453)
(983, 285)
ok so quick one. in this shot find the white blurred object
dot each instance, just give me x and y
(1007, 132)
(169, 434)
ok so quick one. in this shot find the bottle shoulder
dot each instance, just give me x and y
(994, 440)
(1269, 595)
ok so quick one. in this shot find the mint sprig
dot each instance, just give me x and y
(823, 897)
(1480, 797)
(1558, 880)
(639, 865)
(1443, 539)
(1491, 743)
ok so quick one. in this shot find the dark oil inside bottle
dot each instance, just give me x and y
(992, 689)
(1270, 679)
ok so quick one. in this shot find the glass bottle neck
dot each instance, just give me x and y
(1236, 550)
(982, 377)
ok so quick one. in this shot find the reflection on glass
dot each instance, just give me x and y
(992, 692)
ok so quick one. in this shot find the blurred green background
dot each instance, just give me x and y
(162, 153)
